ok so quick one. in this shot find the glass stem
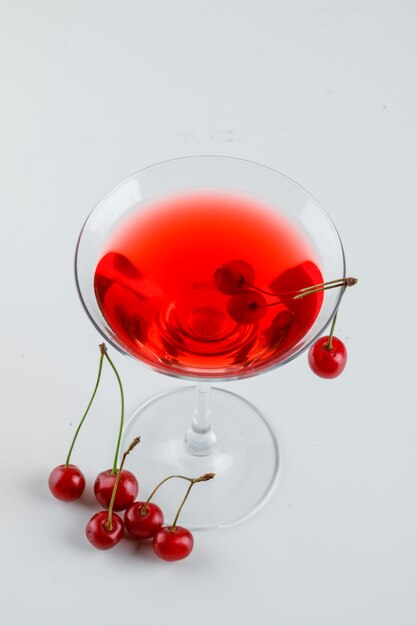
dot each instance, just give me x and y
(200, 439)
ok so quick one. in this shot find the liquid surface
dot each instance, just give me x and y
(189, 284)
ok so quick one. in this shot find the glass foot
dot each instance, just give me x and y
(244, 456)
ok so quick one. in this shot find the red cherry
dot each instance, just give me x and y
(233, 276)
(127, 490)
(66, 482)
(327, 362)
(101, 285)
(133, 326)
(298, 277)
(173, 545)
(282, 323)
(122, 264)
(280, 329)
(143, 525)
(114, 269)
(97, 533)
(247, 307)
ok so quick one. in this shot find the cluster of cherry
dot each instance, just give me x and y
(116, 490)
(327, 356)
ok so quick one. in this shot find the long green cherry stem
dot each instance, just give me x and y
(100, 367)
(122, 415)
(145, 504)
(109, 524)
(200, 479)
(329, 345)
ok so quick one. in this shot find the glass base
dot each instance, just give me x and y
(244, 458)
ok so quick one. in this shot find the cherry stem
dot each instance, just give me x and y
(100, 367)
(145, 504)
(329, 344)
(307, 291)
(197, 480)
(122, 416)
(109, 524)
(267, 293)
(332, 284)
(268, 304)
(200, 479)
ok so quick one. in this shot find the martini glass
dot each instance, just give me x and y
(153, 267)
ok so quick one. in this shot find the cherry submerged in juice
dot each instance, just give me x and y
(201, 284)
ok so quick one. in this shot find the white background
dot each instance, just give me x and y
(324, 91)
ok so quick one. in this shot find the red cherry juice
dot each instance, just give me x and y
(155, 284)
